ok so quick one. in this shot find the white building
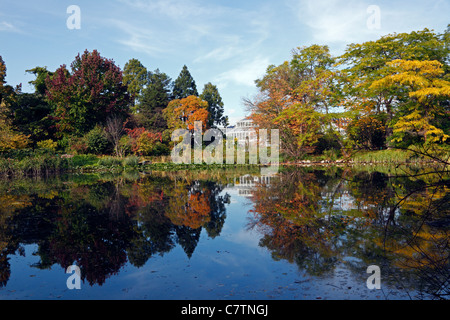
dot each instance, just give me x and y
(244, 132)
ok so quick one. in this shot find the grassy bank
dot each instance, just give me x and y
(40, 164)
(37, 163)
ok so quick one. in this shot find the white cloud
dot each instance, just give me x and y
(338, 23)
(6, 26)
(245, 74)
(139, 39)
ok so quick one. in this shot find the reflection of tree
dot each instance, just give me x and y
(398, 220)
(100, 224)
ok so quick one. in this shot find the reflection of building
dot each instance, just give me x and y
(246, 184)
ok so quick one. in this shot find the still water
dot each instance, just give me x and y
(304, 233)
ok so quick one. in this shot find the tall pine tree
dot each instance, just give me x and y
(154, 99)
(135, 78)
(184, 85)
(215, 106)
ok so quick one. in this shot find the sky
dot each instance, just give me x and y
(229, 43)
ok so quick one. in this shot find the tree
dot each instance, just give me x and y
(367, 132)
(8, 94)
(115, 128)
(135, 77)
(368, 62)
(31, 113)
(294, 96)
(2, 78)
(215, 106)
(154, 99)
(87, 95)
(39, 83)
(182, 113)
(10, 139)
(184, 85)
(427, 93)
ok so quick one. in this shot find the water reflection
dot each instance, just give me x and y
(398, 221)
(316, 219)
(100, 225)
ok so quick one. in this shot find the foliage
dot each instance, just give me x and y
(89, 93)
(211, 95)
(144, 142)
(154, 99)
(11, 140)
(367, 132)
(184, 86)
(182, 113)
(295, 97)
(135, 78)
(428, 95)
(110, 162)
(97, 141)
(77, 145)
(32, 115)
(131, 161)
(47, 144)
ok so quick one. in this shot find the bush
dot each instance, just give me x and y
(97, 141)
(131, 161)
(47, 144)
(368, 132)
(125, 145)
(77, 145)
(83, 160)
(109, 162)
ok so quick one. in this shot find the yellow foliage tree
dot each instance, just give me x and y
(423, 81)
(11, 140)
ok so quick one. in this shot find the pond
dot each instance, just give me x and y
(305, 233)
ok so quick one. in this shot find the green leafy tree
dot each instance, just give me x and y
(135, 77)
(31, 113)
(211, 95)
(155, 98)
(184, 85)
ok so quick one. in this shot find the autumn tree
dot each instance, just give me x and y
(88, 94)
(10, 138)
(215, 106)
(363, 64)
(182, 113)
(184, 85)
(296, 97)
(428, 93)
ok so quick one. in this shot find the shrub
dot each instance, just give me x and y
(109, 162)
(131, 161)
(77, 145)
(367, 133)
(47, 144)
(83, 160)
(144, 142)
(97, 141)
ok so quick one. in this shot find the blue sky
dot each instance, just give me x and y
(227, 42)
